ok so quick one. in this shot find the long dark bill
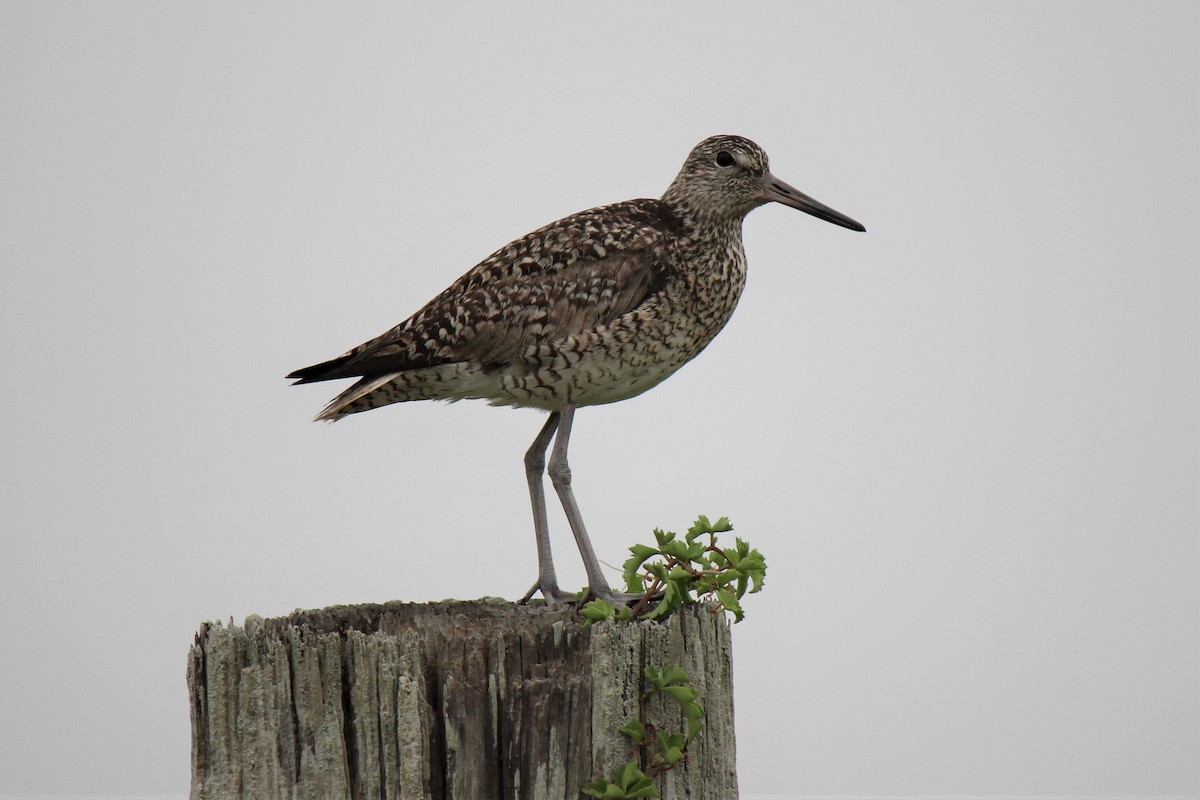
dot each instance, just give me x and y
(780, 192)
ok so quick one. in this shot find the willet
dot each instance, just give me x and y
(597, 307)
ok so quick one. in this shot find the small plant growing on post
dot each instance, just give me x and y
(689, 571)
(659, 751)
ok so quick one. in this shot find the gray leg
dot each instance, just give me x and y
(560, 476)
(535, 466)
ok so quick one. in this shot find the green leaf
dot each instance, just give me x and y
(634, 782)
(607, 790)
(750, 562)
(596, 611)
(674, 675)
(661, 677)
(671, 600)
(633, 565)
(635, 730)
(668, 682)
(676, 549)
(663, 537)
(755, 566)
(641, 552)
(727, 575)
(669, 742)
(679, 586)
(692, 713)
(598, 788)
(628, 774)
(731, 604)
(642, 787)
(671, 755)
(682, 694)
(700, 527)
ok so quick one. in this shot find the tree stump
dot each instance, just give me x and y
(467, 700)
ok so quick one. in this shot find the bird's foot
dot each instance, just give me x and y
(636, 603)
(618, 598)
(553, 595)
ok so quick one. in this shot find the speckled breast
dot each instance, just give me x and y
(638, 350)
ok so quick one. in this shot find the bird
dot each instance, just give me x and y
(595, 308)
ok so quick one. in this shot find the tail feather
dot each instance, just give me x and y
(325, 371)
(341, 405)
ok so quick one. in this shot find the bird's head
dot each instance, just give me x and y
(728, 177)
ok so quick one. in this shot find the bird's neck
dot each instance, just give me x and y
(703, 224)
(712, 245)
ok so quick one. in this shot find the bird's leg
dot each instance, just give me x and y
(535, 466)
(560, 476)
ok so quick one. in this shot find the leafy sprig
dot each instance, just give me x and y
(661, 750)
(689, 569)
(676, 572)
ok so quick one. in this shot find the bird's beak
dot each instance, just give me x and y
(778, 191)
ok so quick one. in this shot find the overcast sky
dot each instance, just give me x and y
(966, 440)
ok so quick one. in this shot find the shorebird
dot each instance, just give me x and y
(594, 308)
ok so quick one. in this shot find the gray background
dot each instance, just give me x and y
(966, 440)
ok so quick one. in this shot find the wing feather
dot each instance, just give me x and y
(567, 278)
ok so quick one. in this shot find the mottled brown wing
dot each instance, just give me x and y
(499, 321)
(494, 323)
(566, 278)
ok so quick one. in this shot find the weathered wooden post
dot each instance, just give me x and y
(466, 700)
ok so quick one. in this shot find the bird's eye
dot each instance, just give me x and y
(724, 159)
